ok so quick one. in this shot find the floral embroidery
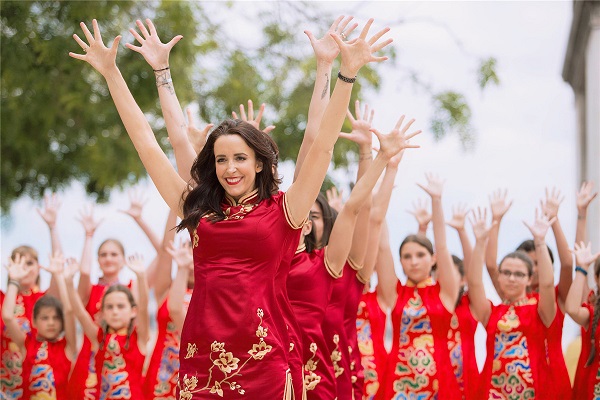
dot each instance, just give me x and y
(367, 351)
(196, 240)
(114, 377)
(41, 382)
(311, 379)
(166, 379)
(455, 350)
(336, 357)
(227, 363)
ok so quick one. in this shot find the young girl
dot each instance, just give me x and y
(232, 338)
(587, 378)
(46, 352)
(119, 339)
(516, 351)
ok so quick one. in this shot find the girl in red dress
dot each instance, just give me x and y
(516, 357)
(587, 377)
(230, 340)
(119, 340)
(47, 352)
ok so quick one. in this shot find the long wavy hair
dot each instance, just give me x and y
(205, 195)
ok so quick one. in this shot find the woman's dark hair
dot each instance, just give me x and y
(204, 197)
(115, 242)
(49, 301)
(460, 266)
(529, 246)
(520, 255)
(596, 317)
(105, 327)
(329, 215)
(418, 239)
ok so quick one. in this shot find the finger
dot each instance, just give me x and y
(351, 29)
(412, 135)
(250, 110)
(268, 129)
(343, 24)
(357, 109)
(136, 35)
(371, 117)
(365, 31)
(142, 29)
(337, 39)
(381, 45)
(190, 117)
(174, 41)
(80, 42)
(335, 24)
(86, 32)
(96, 28)
(350, 117)
(378, 35)
(151, 27)
(348, 136)
(399, 123)
(310, 36)
(261, 110)
(243, 113)
(115, 44)
(77, 56)
(234, 115)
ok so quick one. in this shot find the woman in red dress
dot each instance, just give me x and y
(229, 339)
(47, 352)
(587, 377)
(516, 357)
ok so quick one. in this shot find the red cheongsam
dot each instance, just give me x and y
(419, 362)
(353, 295)
(11, 369)
(309, 288)
(587, 379)
(231, 344)
(46, 369)
(370, 328)
(161, 377)
(516, 352)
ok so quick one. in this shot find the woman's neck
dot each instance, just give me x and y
(108, 280)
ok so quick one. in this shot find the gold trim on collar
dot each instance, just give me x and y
(246, 199)
(301, 248)
(427, 282)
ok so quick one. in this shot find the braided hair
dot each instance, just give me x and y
(596, 316)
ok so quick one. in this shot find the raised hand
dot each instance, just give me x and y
(540, 225)
(89, 223)
(56, 265)
(137, 199)
(551, 203)
(585, 195)
(435, 185)
(49, 212)
(335, 198)
(71, 268)
(100, 57)
(182, 255)
(481, 229)
(583, 255)
(155, 52)
(397, 140)
(421, 212)
(359, 52)
(135, 263)
(255, 122)
(196, 136)
(361, 125)
(17, 268)
(499, 204)
(326, 50)
(459, 214)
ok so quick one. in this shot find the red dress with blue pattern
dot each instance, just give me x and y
(161, 377)
(46, 369)
(587, 379)
(11, 369)
(419, 363)
(309, 289)
(370, 327)
(353, 296)
(234, 343)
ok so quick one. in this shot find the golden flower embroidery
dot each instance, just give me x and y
(311, 381)
(217, 389)
(192, 349)
(190, 383)
(260, 314)
(196, 240)
(259, 350)
(226, 362)
(216, 346)
(336, 356)
(261, 332)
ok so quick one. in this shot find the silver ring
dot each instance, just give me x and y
(343, 35)
(85, 49)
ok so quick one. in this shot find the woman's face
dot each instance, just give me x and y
(514, 279)
(236, 165)
(316, 216)
(416, 261)
(117, 311)
(111, 259)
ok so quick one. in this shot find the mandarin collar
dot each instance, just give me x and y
(301, 248)
(249, 198)
(427, 282)
(122, 331)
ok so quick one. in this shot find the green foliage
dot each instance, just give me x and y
(487, 73)
(452, 113)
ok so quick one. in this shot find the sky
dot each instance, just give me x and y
(525, 127)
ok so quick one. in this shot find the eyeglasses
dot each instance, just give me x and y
(517, 274)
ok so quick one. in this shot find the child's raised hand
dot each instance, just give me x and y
(182, 255)
(89, 223)
(583, 255)
(361, 125)
(540, 225)
(552, 202)
(50, 211)
(135, 263)
(137, 199)
(585, 195)
(459, 214)
(434, 187)
(335, 198)
(421, 212)
(498, 204)
(17, 268)
(56, 264)
(71, 268)
(481, 229)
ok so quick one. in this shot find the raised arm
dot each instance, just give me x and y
(161, 276)
(386, 273)
(136, 264)
(499, 206)
(421, 213)
(547, 303)
(17, 270)
(185, 266)
(49, 214)
(90, 329)
(156, 55)
(340, 244)
(165, 178)
(585, 195)
(447, 274)
(355, 54)
(136, 206)
(479, 304)
(459, 214)
(326, 50)
(90, 224)
(550, 208)
(585, 259)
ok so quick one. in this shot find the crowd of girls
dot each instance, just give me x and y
(272, 297)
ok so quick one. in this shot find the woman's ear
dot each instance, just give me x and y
(307, 227)
(259, 166)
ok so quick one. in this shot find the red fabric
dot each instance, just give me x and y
(309, 288)
(587, 379)
(46, 368)
(119, 364)
(461, 342)
(11, 369)
(335, 333)
(163, 369)
(516, 355)
(419, 362)
(353, 295)
(232, 343)
(370, 327)
(82, 383)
